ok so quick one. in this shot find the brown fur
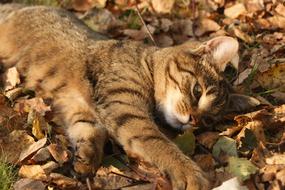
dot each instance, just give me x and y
(107, 86)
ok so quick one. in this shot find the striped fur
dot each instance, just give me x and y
(101, 87)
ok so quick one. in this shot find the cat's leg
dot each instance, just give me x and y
(85, 133)
(139, 135)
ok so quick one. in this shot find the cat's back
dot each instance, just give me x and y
(29, 25)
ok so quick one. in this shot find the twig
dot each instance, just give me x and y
(149, 33)
(88, 183)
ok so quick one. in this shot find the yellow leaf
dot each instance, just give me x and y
(273, 78)
(37, 129)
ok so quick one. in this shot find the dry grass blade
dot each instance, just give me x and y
(141, 18)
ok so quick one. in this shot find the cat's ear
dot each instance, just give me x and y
(239, 103)
(223, 50)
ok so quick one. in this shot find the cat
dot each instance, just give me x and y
(100, 87)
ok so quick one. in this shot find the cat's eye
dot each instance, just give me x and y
(197, 91)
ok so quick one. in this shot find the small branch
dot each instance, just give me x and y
(88, 183)
(149, 33)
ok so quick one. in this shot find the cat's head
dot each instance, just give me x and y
(189, 82)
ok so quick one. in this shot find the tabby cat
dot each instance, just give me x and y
(101, 88)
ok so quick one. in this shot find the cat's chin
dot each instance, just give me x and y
(176, 124)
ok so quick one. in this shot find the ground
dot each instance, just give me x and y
(243, 151)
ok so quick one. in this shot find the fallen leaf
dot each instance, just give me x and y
(37, 129)
(16, 142)
(29, 151)
(253, 6)
(277, 21)
(11, 78)
(164, 40)
(205, 161)
(268, 172)
(38, 105)
(29, 184)
(242, 76)
(225, 145)
(165, 24)
(50, 166)
(85, 5)
(186, 142)
(42, 155)
(208, 139)
(276, 159)
(280, 9)
(33, 172)
(59, 153)
(205, 25)
(163, 6)
(139, 34)
(242, 35)
(232, 184)
(241, 167)
(235, 10)
(63, 181)
(273, 78)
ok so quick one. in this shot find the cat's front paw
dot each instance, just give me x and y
(188, 176)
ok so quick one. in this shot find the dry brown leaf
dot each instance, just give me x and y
(258, 155)
(164, 6)
(243, 36)
(235, 10)
(14, 93)
(165, 24)
(85, 5)
(280, 96)
(9, 118)
(269, 172)
(59, 153)
(205, 161)
(277, 21)
(254, 5)
(280, 9)
(242, 76)
(208, 139)
(29, 151)
(29, 184)
(111, 178)
(63, 181)
(41, 156)
(11, 78)
(276, 159)
(139, 34)
(231, 131)
(38, 105)
(16, 142)
(33, 172)
(280, 176)
(205, 25)
(256, 127)
(50, 166)
(273, 78)
(164, 40)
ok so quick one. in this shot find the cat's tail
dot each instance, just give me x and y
(7, 9)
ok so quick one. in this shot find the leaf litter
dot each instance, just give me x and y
(245, 152)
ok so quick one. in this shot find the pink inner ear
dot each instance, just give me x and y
(223, 50)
